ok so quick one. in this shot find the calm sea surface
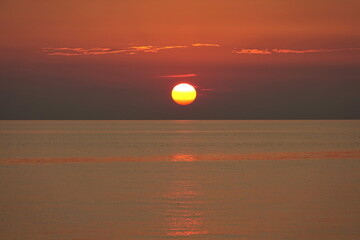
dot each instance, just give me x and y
(120, 180)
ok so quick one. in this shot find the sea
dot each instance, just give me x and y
(189, 179)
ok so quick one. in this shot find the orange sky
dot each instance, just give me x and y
(113, 23)
(263, 51)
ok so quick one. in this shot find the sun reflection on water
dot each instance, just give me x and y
(183, 158)
(184, 216)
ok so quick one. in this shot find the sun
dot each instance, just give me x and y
(183, 94)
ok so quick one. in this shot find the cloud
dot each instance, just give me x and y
(153, 49)
(286, 51)
(102, 51)
(252, 51)
(218, 90)
(205, 45)
(65, 51)
(82, 51)
(180, 76)
(300, 51)
(313, 50)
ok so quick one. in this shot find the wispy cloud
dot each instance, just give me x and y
(313, 50)
(286, 51)
(208, 89)
(153, 49)
(180, 75)
(252, 51)
(205, 45)
(301, 51)
(102, 51)
(217, 90)
(82, 51)
(66, 51)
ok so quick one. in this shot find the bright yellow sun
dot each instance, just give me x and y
(183, 94)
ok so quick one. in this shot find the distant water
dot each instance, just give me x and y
(91, 180)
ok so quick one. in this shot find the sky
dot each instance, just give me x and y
(112, 59)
